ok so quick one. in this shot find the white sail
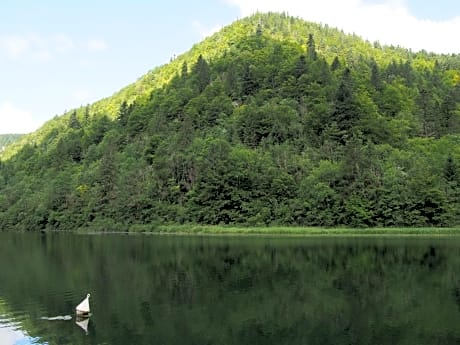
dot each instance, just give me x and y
(83, 307)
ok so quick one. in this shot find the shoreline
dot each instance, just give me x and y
(215, 230)
(281, 231)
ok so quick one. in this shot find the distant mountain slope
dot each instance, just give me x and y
(7, 139)
(272, 120)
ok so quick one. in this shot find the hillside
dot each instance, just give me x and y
(8, 139)
(273, 120)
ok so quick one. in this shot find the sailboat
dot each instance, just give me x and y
(83, 308)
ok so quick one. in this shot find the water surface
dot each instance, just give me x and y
(229, 290)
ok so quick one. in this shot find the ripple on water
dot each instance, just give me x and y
(11, 331)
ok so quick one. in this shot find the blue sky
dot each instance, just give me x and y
(57, 55)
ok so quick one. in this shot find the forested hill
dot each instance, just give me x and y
(272, 120)
(7, 139)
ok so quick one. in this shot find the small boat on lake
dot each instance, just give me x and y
(83, 308)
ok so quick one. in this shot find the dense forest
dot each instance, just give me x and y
(7, 139)
(271, 121)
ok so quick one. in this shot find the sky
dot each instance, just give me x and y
(58, 55)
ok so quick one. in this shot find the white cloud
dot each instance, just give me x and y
(15, 120)
(204, 31)
(97, 45)
(62, 43)
(14, 45)
(34, 46)
(45, 48)
(386, 21)
(42, 55)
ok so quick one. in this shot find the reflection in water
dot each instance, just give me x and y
(11, 330)
(209, 290)
(83, 323)
(57, 318)
(11, 334)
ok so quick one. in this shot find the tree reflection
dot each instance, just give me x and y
(195, 290)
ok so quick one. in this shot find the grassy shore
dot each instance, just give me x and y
(298, 231)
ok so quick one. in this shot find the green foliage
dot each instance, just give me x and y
(270, 121)
(7, 139)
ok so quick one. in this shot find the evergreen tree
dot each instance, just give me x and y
(311, 48)
(202, 73)
(86, 115)
(451, 173)
(392, 71)
(335, 65)
(259, 31)
(300, 67)
(449, 117)
(426, 110)
(407, 73)
(376, 81)
(345, 112)
(73, 121)
(248, 81)
(106, 174)
(184, 70)
(123, 114)
(452, 179)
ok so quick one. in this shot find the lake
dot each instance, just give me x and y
(229, 290)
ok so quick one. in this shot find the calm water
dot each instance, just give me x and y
(222, 290)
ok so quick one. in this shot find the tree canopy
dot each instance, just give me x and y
(272, 120)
